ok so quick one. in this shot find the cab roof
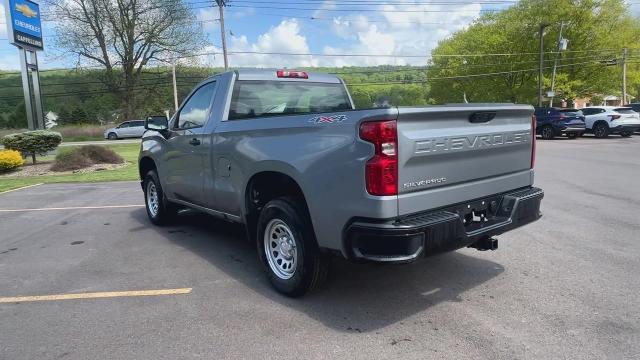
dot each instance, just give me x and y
(271, 75)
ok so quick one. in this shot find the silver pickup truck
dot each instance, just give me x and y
(286, 154)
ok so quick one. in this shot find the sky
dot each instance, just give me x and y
(316, 27)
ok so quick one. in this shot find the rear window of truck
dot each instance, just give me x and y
(252, 99)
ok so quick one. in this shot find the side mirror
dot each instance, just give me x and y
(157, 123)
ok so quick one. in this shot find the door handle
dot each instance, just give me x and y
(194, 142)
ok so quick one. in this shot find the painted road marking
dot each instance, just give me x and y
(73, 208)
(20, 188)
(96, 295)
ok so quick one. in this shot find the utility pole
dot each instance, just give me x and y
(221, 4)
(540, 75)
(175, 85)
(555, 63)
(624, 76)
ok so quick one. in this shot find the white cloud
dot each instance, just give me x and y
(3, 26)
(410, 33)
(383, 32)
(283, 38)
(322, 10)
(206, 16)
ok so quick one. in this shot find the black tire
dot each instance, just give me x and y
(307, 267)
(601, 130)
(572, 135)
(112, 136)
(626, 134)
(547, 132)
(165, 212)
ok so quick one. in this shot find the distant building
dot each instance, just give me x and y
(607, 100)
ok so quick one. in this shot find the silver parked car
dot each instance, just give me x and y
(128, 129)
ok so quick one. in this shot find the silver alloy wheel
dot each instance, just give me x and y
(280, 249)
(152, 199)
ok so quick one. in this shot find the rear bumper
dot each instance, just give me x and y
(625, 128)
(570, 129)
(407, 238)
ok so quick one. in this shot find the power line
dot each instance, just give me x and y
(359, 10)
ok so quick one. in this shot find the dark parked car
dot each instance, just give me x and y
(552, 122)
(634, 106)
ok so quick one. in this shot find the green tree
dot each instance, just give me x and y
(78, 115)
(124, 37)
(596, 30)
(64, 116)
(18, 119)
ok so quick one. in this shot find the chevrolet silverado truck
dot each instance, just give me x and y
(286, 154)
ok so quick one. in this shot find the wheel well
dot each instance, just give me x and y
(146, 164)
(264, 187)
(600, 122)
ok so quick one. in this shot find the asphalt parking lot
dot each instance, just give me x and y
(564, 287)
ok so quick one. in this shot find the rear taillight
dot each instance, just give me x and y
(614, 117)
(295, 74)
(533, 141)
(381, 171)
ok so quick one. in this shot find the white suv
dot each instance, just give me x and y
(605, 120)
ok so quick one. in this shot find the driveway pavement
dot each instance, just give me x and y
(564, 287)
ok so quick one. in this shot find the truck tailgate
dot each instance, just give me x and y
(454, 153)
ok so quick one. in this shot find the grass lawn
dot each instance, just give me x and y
(130, 172)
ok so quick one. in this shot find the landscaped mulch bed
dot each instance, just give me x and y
(41, 169)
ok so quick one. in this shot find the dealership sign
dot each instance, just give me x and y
(23, 23)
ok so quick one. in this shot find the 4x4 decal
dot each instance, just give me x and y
(328, 119)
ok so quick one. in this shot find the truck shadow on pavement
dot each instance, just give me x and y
(356, 297)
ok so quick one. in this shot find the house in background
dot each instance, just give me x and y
(608, 100)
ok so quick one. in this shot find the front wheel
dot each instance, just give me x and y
(112, 136)
(547, 133)
(601, 130)
(159, 210)
(287, 248)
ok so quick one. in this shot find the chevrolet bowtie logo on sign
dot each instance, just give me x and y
(26, 10)
(23, 23)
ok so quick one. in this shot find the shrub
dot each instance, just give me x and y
(33, 143)
(9, 160)
(100, 154)
(85, 156)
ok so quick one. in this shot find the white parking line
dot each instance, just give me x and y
(20, 188)
(73, 208)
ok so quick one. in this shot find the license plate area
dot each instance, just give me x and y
(480, 213)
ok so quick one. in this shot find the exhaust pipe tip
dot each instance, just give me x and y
(485, 244)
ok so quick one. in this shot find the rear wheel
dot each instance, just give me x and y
(547, 132)
(601, 130)
(112, 136)
(287, 248)
(159, 209)
(626, 133)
